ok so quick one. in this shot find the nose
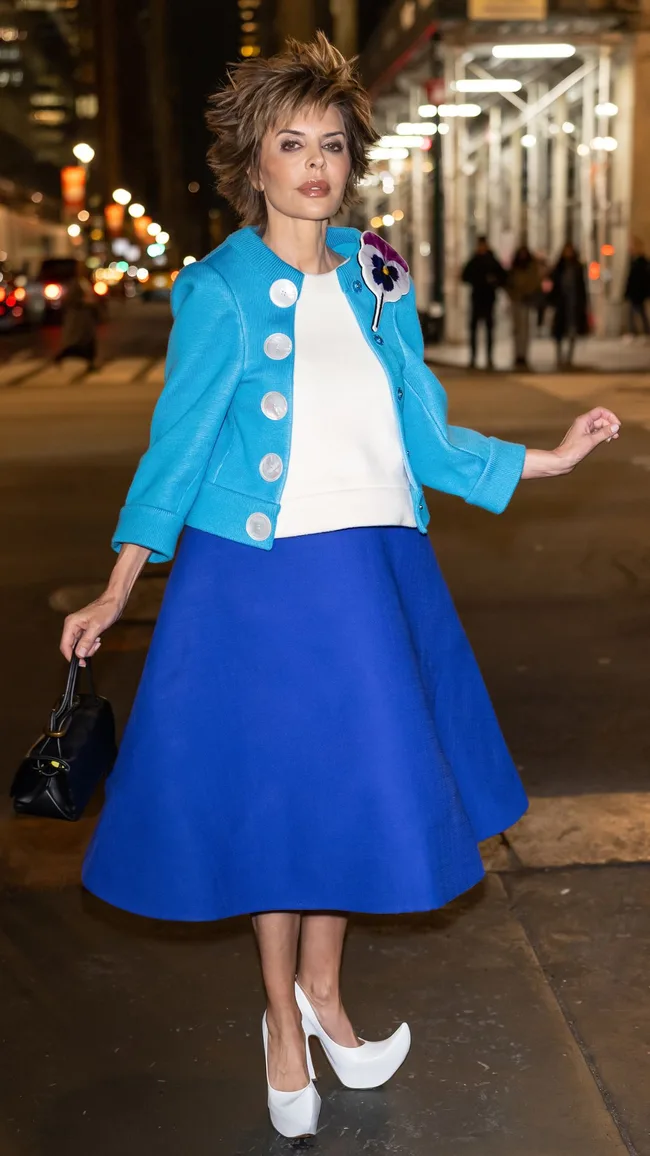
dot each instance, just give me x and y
(316, 160)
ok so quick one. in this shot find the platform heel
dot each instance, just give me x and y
(293, 1114)
(368, 1066)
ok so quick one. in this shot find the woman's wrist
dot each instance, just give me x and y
(125, 573)
(545, 464)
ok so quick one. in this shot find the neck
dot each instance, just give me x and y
(302, 244)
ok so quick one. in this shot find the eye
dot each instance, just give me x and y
(335, 146)
(288, 146)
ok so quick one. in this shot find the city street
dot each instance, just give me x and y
(527, 998)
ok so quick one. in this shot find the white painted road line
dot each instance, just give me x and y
(14, 370)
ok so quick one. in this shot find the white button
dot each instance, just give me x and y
(258, 526)
(278, 346)
(283, 293)
(274, 405)
(271, 467)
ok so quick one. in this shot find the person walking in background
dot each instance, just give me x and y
(79, 331)
(524, 286)
(485, 275)
(637, 289)
(568, 297)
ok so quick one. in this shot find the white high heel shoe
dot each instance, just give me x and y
(368, 1066)
(292, 1114)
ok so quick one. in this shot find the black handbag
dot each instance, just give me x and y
(61, 770)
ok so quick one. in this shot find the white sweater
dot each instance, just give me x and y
(346, 466)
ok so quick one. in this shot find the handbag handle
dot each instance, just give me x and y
(59, 712)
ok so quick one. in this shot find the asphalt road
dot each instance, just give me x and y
(527, 999)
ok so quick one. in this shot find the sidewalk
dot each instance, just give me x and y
(593, 354)
(527, 997)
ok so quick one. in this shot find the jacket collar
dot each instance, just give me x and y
(249, 244)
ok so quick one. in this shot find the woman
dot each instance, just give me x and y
(569, 298)
(299, 745)
(524, 286)
(79, 331)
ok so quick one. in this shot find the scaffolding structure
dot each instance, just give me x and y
(553, 149)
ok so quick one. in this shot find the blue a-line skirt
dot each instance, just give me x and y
(311, 732)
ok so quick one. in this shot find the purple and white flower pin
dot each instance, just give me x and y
(385, 273)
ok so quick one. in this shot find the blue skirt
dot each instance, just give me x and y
(311, 732)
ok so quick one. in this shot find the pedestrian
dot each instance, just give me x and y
(311, 734)
(568, 296)
(524, 286)
(79, 330)
(485, 275)
(637, 289)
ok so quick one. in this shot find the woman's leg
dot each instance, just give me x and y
(277, 939)
(319, 968)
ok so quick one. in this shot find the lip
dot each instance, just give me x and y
(314, 188)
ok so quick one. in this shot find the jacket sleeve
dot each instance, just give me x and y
(484, 471)
(202, 368)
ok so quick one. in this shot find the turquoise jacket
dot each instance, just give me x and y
(221, 430)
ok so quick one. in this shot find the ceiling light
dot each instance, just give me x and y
(583, 150)
(533, 51)
(388, 154)
(487, 85)
(427, 110)
(606, 143)
(388, 220)
(568, 126)
(423, 127)
(528, 140)
(443, 129)
(606, 109)
(401, 142)
(459, 110)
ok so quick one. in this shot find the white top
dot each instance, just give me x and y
(346, 466)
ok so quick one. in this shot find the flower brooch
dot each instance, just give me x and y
(385, 273)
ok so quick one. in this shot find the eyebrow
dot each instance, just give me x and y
(297, 132)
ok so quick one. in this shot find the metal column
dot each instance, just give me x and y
(559, 183)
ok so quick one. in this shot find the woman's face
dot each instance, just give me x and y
(305, 165)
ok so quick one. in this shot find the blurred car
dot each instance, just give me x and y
(158, 287)
(55, 276)
(21, 300)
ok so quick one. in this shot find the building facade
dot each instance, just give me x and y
(520, 120)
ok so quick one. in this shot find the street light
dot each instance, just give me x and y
(121, 196)
(136, 209)
(153, 229)
(83, 153)
(162, 238)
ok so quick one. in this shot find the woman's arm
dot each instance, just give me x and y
(588, 431)
(484, 471)
(82, 630)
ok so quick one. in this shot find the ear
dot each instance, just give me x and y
(256, 181)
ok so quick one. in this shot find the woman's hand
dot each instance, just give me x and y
(82, 630)
(588, 431)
